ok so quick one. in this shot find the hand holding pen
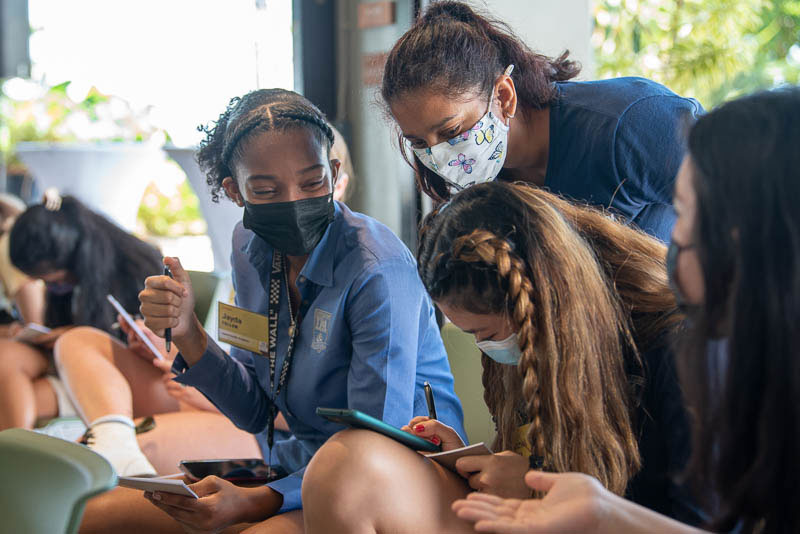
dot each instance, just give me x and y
(168, 331)
(431, 429)
(167, 305)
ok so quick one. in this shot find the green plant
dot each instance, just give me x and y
(712, 50)
(171, 216)
(50, 115)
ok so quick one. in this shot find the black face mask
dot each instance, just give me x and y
(294, 228)
(673, 252)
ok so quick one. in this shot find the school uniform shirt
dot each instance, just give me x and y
(368, 340)
(618, 144)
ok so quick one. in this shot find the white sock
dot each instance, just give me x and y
(114, 437)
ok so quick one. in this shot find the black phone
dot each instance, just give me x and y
(237, 471)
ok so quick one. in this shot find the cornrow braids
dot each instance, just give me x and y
(259, 111)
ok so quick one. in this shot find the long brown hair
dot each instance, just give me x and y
(585, 294)
(454, 51)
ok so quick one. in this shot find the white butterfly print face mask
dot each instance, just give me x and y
(473, 156)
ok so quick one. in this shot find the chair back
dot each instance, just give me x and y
(46, 481)
(204, 285)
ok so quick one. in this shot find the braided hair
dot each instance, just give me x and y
(554, 271)
(263, 110)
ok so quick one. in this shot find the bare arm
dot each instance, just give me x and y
(573, 503)
(30, 301)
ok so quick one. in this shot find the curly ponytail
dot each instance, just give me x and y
(454, 51)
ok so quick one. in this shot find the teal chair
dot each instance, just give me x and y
(204, 285)
(46, 482)
(465, 364)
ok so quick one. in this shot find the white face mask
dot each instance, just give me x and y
(505, 351)
(472, 157)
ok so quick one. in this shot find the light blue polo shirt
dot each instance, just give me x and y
(368, 340)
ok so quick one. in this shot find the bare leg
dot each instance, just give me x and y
(363, 483)
(100, 372)
(46, 401)
(288, 523)
(172, 440)
(20, 366)
(126, 511)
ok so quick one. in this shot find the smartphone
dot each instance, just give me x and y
(238, 471)
(30, 332)
(135, 327)
(358, 419)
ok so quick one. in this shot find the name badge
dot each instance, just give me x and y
(243, 328)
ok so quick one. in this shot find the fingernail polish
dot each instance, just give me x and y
(419, 428)
(436, 440)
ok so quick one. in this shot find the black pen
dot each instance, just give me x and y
(168, 331)
(429, 397)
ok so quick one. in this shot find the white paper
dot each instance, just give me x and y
(448, 458)
(31, 331)
(167, 485)
(135, 327)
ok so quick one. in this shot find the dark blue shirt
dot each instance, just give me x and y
(618, 144)
(368, 340)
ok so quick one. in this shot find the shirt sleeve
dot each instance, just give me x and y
(650, 144)
(291, 454)
(230, 383)
(384, 317)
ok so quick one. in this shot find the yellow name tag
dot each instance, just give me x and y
(242, 328)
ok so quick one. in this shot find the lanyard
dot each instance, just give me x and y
(279, 278)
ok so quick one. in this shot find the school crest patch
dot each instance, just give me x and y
(322, 321)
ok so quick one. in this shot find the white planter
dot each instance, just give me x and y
(220, 216)
(107, 177)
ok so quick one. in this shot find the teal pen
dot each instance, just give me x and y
(168, 331)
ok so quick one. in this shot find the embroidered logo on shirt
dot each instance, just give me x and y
(322, 321)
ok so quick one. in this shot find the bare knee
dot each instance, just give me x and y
(351, 471)
(361, 481)
(19, 358)
(75, 342)
(352, 451)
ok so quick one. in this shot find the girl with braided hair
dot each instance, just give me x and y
(571, 310)
(350, 324)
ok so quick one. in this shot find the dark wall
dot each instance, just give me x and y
(315, 52)
(14, 33)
